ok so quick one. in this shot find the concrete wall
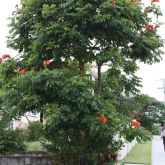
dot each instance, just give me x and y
(127, 147)
(25, 160)
(42, 158)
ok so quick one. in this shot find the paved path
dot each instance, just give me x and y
(158, 153)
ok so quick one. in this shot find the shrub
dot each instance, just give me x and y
(11, 142)
(34, 131)
(155, 129)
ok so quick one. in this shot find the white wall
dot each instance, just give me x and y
(23, 122)
(127, 147)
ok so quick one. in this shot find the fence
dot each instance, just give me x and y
(42, 158)
(127, 147)
(26, 159)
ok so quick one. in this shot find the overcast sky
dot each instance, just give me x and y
(6, 8)
(152, 75)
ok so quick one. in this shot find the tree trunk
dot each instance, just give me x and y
(81, 66)
(99, 79)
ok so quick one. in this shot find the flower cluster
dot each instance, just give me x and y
(4, 57)
(153, 1)
(47, 62)
(135, 123)
(21, 71)
(135, 120)
(102, 119)
(150, 27)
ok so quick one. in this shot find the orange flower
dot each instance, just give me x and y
(47, 62)
(138, 124)
(103, 119)
(5, 56)
(22, 71)
(152, 1)
(150, 27)
(135, 123)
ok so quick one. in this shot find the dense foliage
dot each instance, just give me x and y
(58, 42)
(151, 112)
(148, 110)
(11, 142)
(34, 131)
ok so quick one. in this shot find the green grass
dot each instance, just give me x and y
(140, 154)
(34, 146)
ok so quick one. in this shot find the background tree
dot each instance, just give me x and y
(151, 111)
(11, 142)
(57, 41)
(148, 110)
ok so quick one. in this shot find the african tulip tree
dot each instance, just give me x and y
(58, 40)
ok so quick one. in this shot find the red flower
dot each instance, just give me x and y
(47, 62)
(150, 27)
(22, 71)
(138, 124)
(5, 56)
(135, 123)
(1, 60)
(44, 63)
(103, 119)
(152, 1)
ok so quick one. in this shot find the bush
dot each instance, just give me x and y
(11, 142)
(155, 129)
(34, 131)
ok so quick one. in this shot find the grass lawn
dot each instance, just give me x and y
(34, 146)
(141, 154)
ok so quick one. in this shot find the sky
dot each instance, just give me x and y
(6, 8)
(152, 76)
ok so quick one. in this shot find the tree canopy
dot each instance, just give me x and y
(115, 32)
